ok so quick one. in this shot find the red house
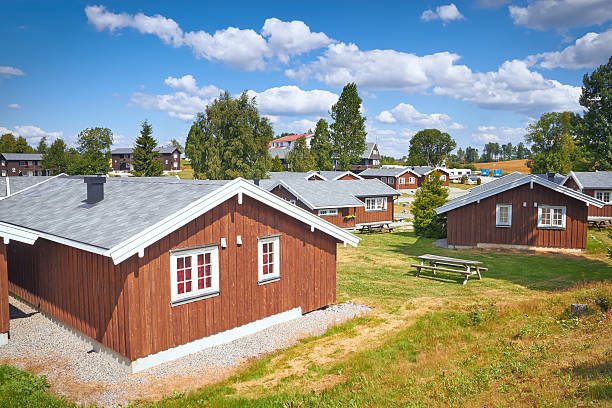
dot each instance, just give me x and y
(596, 184)
(406, 178)
(519, 211)
(149, 270)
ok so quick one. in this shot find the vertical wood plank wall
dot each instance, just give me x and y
(127, 307)
(364, 216)
(348, 177)
(605, 211)
(4, 300)
(475, 223)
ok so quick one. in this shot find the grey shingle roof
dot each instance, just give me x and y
(558, 178)
(288, 175)
(57, 207)
(497, 182)
(19, 183)
(130, 150)
(594, 179)
(22, 156)
(384, 172)
(332, 194)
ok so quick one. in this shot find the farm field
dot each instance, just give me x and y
(507, 340)
(507, 166)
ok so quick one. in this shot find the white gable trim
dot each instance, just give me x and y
(8, 188)
(312, 173)
(471, 198)
(345, 173)
(572, 175)
(309, 204)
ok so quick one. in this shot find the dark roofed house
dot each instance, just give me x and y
(22, 164)
(596, 184)
(122, 158)
(519, 211)
(317, 175)
(406, 178)
(345, 203)
(371, 157)
(147, 277)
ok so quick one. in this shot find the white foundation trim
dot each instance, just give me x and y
(183, 350)
(519, 247)
(3, 339)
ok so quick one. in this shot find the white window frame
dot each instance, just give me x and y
(176, 155)
(376, 204)
(390, 180)
(195, 294)
(551, 225)
(443, 177)
(166, 161)
(402, 180)
(271, 277)
(383, 179)
(498, 222)
(602, 193)
(411, 180)
(175, 164)
(328, 212)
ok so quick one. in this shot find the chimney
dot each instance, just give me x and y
(95, 188)
(551, 176)
(256, 182)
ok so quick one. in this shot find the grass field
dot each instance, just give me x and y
(507, 166)
(507, 340)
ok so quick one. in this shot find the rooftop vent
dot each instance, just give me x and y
(95, 188)
(551, 176)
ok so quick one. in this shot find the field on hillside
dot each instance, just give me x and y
(507, 340)
(507, 166)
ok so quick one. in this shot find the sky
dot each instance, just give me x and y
(480, 70)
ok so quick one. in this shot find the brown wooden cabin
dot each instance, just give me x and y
(519, 211)
(344, 203)
(406, 178)
(230, 259)
(596, 184)
(22, 164)
(122, 159)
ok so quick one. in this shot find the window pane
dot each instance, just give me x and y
(180, 275)
(265, 269)
(181, 288)
(180, 263)
(187, 262)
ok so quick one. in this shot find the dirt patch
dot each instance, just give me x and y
(507, 166)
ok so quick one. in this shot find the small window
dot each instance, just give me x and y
(166, 161)
(194, 274)
(376, 204)
(503, 215)
(443, 177)
(269, 259)
(23, 163)
(390, 180)
(328, 212)
(402, 180)
(551, 216)
(176, 155)
(604, 196)
(411, 180)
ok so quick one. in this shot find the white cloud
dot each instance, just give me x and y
(244, 49)
(287, 38)
(445, 13)
(296, 126)
(179, 105)
(188, 84)
(14, 106)
(502, 135)
(562, 14)
(33, 134)
(406, 114)
(591, 50)
(8, 71)
(291, 100)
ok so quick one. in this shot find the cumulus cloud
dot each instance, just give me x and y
(187, 83)
(562, 14)
(446, 13)
(14, 106)
(10, 71)
(243, 49)
(33, 134)
(590, 50)
(503, 135)
(297, 126)
(291, 100)
(513, 87)
(179, 105)
(406, 114)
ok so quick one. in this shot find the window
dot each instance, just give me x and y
(402, 180)
(431, 177)
(383, 179)
(410, 180)
(604, 196)
(194, 273)
(3, 173)
(551, 217)
(3, 163)
(268, 254)
(166, 161)
(376, 204)
(328, 212)
(176, 155)
(443, 177)
(503, 215)
(175, 165)
(23, 163)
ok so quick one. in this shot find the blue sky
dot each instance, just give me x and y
(480, 70)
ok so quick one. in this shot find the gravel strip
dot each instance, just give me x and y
(76, 371)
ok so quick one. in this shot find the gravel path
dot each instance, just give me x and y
(84, 376)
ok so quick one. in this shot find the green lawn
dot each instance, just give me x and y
(507, 340)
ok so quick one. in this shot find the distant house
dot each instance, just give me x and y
(519, 211)
(122, 158)
(22, 164)
(315, 175)
(345, 203)
(147, 278)
(457, 174)
(283, 145)
(406, 178)
(369, 158)
(596, 184)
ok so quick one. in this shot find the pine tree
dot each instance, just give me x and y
(347, 132)
(430, 196)
(321, 147)
(277, 164)
(299, 158)
(146, 161)
(42, 145)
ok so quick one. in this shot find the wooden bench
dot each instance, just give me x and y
(599, 222)
(461, 266)
(375, 227)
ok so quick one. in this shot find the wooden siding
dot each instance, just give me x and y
(605, 211)
(475, 223)
(364, 216)
(348, 176)
(4, 300)
(127, 307)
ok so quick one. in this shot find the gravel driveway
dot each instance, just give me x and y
(85, 376)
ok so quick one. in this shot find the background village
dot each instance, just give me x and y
(248, 268)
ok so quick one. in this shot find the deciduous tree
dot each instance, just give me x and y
(42, 145)
(321, 146)
(147, 161)
(552, 143)
(7, 142)
(93, 147)
(347, 132)
(21, 146)
(56, 157)
(430, 147)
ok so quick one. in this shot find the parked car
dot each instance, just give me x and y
(472, 179)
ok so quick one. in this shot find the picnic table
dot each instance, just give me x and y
(376, 227)
(455, 265)
(599, 222)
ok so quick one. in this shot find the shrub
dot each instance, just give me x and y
(430, 196)
(478, 181)
(604, 301)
